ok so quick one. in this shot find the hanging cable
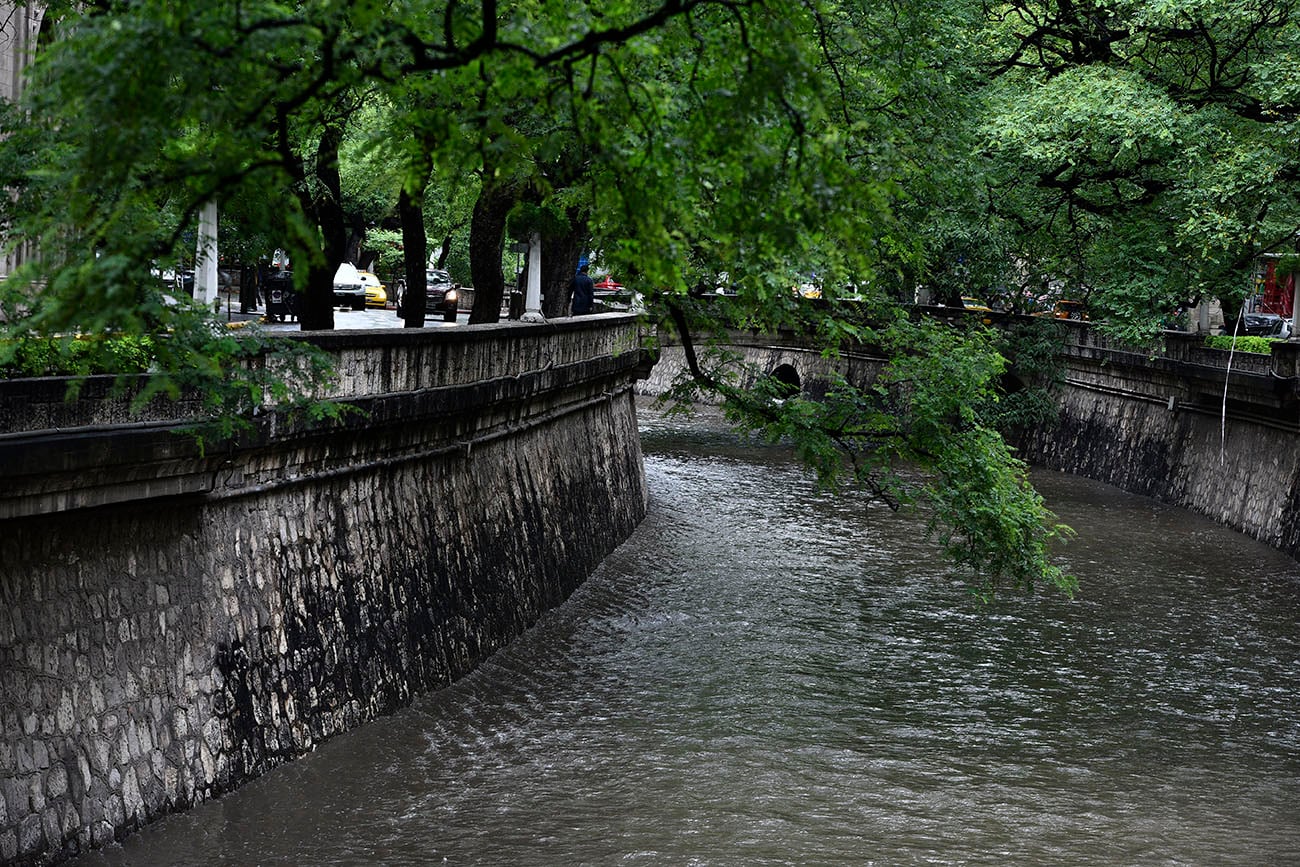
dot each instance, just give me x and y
(1223, 412)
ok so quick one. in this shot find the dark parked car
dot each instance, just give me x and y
(1262, 325)
(441, 295)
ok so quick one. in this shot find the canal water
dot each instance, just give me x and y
(764, 675)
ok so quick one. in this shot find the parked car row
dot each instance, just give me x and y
(1067, 309)
(1262, 325)
(1062, 308)
(358, 289)
(353, 288)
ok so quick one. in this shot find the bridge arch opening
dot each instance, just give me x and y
(786, 379)
(1010, 383)
(45, 34)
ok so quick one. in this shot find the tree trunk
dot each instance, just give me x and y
(560, 255)
(318, 306)
(445, 251)
(410, 207)
(356, 239)
(487, 230)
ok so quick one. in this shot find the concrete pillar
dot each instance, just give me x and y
(533, 291)
(205, 261)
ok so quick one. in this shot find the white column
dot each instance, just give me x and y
(205, 261)
(533, 291)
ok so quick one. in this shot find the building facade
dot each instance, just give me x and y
(21, 27)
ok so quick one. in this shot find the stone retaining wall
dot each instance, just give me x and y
(1164, 429)
(158, 650)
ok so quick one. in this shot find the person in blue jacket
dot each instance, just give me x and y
(584, 291)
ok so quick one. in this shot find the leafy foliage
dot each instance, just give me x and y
(1025, 398)
(1136, 156)
(385, 246)
(76, 356)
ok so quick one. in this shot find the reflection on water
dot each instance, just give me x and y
(765, 675)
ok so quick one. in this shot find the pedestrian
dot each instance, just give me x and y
(583, 290)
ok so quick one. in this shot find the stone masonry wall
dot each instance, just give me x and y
(1243, 472)
(158, 652)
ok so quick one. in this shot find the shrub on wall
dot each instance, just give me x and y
(75, 356)
(1262, 345)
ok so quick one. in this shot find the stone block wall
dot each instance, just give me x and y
(157, 651)
(1197, 428)
(1241, 468)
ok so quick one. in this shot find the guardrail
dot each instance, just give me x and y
(1178, 346)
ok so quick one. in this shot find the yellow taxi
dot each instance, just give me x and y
(376, 292)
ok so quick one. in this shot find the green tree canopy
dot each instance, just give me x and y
(1139, 152)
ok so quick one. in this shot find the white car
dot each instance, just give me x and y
(349, 288)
